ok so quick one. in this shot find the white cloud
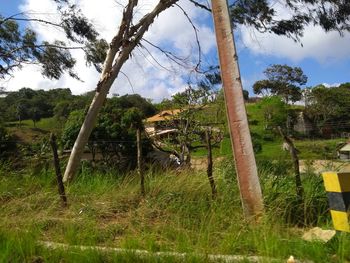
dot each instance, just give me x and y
(170, 30)
(316, 43)
(328, 85)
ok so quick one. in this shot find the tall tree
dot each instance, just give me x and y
(282, 80)
(329, 107)
(240, 136)
(123, 43)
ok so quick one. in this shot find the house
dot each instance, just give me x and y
(344, 151)
(162, 124)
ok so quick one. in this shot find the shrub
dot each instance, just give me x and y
(7, 143)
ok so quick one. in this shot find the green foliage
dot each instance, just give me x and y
(246, 95)
(32, 104)
(114, 135)
(282, 80)
(72, 127)
(262, 15)
(329, 106)
(274, 111)
(6, 142)
(19, 45)
(96, 53)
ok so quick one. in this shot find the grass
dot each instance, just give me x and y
(177, 214)
(27, 133)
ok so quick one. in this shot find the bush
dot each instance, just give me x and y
(7, 143)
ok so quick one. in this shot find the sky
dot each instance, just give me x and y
(324, 57)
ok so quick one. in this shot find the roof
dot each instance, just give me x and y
(345, 148)
(163, 115)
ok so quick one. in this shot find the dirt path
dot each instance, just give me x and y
(315, 166)
(320, 166)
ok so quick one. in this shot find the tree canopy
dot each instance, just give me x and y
(282, 80)
(20, 45)
(114, 136)
(262, 15)
(329, 106)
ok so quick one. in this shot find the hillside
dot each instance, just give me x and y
(310, 149)
(27, 133)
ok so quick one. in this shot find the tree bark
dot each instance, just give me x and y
(120, 49)
(56, 163)
(210, 165)
(242, 147)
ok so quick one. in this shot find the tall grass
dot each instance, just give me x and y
(177, 214)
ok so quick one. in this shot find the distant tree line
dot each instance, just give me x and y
(326, 107)
(29, 104)
(113, 137)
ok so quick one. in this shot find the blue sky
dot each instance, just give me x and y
(325, 58)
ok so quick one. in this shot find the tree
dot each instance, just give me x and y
(329, 106)
(275, 112)
(282, 80)
(19, 44)
(237, 117)
(246, 95)
(123, 43)
(115, 132)
(190, 122)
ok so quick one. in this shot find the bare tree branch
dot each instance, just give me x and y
(128, 79)
(168, 54)
(196, 34)
(30, 20)
(153, 58)
(200, 5)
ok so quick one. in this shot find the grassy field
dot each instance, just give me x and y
(28, 133)
(176, 215)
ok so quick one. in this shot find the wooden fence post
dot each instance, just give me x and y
(294, 154)
(210, 164)
(56, 163)
(139, 161)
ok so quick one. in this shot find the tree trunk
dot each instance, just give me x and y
(139, 161)
(56, 163)
(85, 131)
(236, 113)
(210, 164)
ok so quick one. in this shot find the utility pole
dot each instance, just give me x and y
(242, 147)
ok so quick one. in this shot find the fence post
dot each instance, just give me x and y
(56, 163)
(210, 164)
(139, 161)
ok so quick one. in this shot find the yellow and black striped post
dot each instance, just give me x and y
(338, 191)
